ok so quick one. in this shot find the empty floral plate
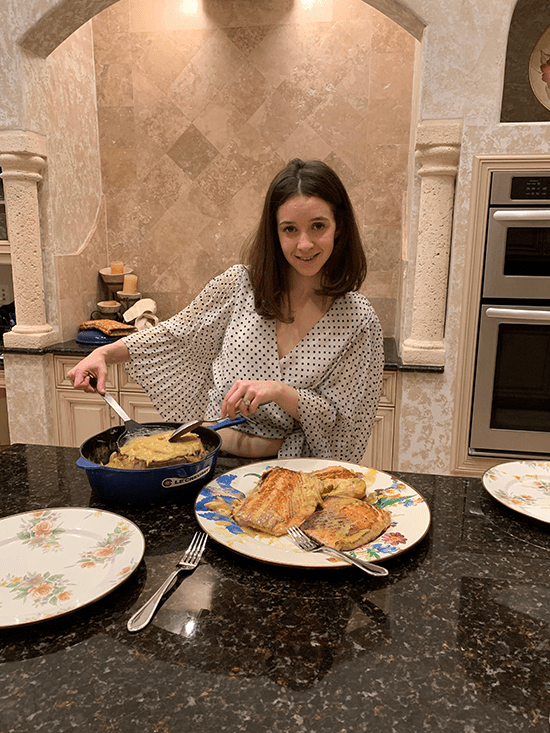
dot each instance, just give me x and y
(53, 561)
(410, 515)
(521, 485)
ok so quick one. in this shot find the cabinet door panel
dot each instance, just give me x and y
(379, 453)
(125, 382)
(139, 407)
(389, 387)
(81, 415)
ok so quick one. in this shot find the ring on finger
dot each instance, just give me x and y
(246, 402)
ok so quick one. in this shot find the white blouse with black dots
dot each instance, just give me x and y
(188, 363)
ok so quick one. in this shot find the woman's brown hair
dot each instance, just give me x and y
(346, 268)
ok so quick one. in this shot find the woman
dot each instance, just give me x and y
(286, 339)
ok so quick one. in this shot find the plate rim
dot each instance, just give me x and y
(508, 505)
(324, 561)
(64, 612)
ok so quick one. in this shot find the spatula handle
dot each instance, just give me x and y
(117, 408)
(111, 401)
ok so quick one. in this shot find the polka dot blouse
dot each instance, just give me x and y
(188, 363)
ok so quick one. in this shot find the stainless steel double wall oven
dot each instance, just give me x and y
(511, 404)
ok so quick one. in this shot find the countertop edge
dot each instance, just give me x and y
(393, 361)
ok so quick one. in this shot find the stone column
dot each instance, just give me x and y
(22, 157)
(437, 150)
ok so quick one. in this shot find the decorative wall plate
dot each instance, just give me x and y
(539, 69)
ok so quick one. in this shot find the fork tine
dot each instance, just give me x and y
(200, 549)
(299, 533)
(192, 547)
(296, 530)
(196, 548)
(292, 532)
(307, 543)
(298, 537)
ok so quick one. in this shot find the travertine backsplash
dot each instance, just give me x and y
(198, 110)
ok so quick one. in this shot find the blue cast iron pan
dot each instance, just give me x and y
(149, 486)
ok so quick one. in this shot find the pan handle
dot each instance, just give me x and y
(227, 423)
(83, 463)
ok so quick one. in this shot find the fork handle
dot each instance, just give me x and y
(367, 567)
(141, 618)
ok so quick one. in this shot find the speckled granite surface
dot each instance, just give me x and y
(456, 639)
(73, 348)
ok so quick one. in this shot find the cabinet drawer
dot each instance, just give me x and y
(63, 364)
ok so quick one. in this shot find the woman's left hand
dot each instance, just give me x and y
(247, 395)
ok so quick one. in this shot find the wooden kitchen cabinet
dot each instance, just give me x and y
(79, 415)
(139, 407)
(379, 453)
(4, 426)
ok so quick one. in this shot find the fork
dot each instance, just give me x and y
(189, 561)
(307, 543)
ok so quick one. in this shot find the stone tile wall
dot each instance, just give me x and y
(200, 104)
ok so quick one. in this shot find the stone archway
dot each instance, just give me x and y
(59, 23)
(54, 26)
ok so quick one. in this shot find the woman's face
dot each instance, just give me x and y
(306, 229)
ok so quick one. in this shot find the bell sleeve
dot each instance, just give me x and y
(173, 360)
(337, 415)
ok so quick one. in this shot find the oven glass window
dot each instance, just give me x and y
(527, 251)
(521, 395)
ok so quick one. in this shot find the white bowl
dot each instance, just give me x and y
(108, 277)
(108, 306)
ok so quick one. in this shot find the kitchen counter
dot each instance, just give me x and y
(393, 361)
(455, 639)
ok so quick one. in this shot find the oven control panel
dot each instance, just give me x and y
(513, 188)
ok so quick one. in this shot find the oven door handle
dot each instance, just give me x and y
(529, 215)
(517, 314)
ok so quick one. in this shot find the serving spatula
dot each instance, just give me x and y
(132, 428)
(194, 424)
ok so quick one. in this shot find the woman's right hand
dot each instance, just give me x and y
(93, 365)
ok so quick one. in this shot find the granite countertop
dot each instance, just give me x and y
(455, 639)
(393, 361)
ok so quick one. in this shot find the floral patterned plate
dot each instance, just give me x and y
(523, 486)
(53, 561)
(410, 516)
